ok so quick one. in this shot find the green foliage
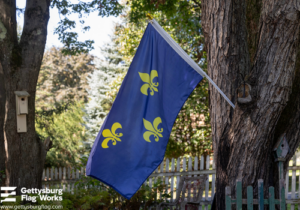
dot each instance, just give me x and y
(104, 197)
(128, 36)
(63, 78)
(64, 30)
(90, 193)
(180, 18)
(87, 199)
(64, 125)
(19, 32)
(191, 133)
(61, 93)
(107, 70)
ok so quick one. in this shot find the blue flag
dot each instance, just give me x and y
(133, 139)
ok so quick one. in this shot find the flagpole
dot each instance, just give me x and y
(184, 55)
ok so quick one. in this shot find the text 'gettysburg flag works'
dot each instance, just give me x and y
(132, 141)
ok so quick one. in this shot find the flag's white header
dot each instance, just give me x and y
(185, 57)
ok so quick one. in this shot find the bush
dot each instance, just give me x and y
(90, 194)
(105, 198)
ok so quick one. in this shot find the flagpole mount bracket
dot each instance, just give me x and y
(150, 17)
(243, 93)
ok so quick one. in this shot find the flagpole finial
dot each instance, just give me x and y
(149, 16)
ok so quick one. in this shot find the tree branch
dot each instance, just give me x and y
(33, 40)
(8, 19)
(2, 117)
(243, 137)
(8, 30)
(271, 80)
(289, 121)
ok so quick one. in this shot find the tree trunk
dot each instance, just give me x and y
(24, 152)
(2, 114)
(255, 41)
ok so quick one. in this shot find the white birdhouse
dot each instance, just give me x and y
(21, 110)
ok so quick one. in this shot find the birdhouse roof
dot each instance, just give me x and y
(22, 93)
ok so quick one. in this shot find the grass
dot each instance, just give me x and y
(289, 207)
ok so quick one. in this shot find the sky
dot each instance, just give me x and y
(100, 31)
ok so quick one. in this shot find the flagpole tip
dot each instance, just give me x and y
(149, 16)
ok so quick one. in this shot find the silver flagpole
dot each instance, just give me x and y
(184, 55)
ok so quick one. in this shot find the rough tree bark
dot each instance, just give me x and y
(255, 40)
(24, 153)
(2, 114)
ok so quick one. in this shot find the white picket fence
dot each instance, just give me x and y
(292, 189)
(170, 172)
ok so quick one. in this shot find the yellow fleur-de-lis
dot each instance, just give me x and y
(149, 82)
(111, 135)
(152, 130)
